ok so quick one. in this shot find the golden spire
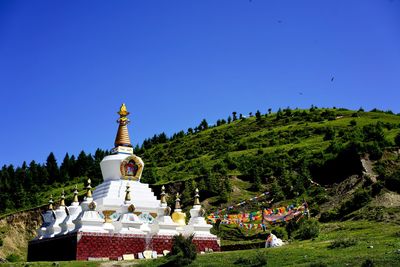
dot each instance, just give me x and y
(196, 197)
(122, 138)
(89, 189)
(127, 195)
(50, 203)
(177, 202)
(62, 201)
(75, 199)
(163, 199)
(178, 216)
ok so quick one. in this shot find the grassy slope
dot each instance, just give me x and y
(228, 137)
(172, 165)
(384, 237)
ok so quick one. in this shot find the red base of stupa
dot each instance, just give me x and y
(82, 246)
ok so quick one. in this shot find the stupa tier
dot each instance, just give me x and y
(121, 216)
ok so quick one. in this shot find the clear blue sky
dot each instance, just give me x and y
(66, 66)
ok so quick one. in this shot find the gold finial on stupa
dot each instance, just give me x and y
(127, 195)
(51, 203)
(75, 199)
(62, 201)
(122, 138)
(177, 202)
(196, 197)
(89, 189)
(163, 199)
(178, 216)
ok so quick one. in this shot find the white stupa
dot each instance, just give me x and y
(61, 214)
(197, 224)
(119, 169)
(48, 219)
(73, 212)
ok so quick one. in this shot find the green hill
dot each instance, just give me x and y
(281, 152)
(345, 163)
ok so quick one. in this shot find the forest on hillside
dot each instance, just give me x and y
(282, 152)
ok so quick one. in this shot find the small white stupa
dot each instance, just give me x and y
(61, 214)
(163, 224)
(73, 212)
(197, 224)
(129, 221)
(48, 217)
(89, 220)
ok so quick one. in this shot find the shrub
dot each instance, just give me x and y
(12, 258)
(392, 182)
(183, 251)
(360, 198)
(280, 232)
(328, 216)
(260, 259)
(342, 243)
(308, 229)
(368, 263)
(1, 242)
(397, 139)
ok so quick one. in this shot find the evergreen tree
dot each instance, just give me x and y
(82, 164)
(65, 169)
(229, 119)
(52, 168)
(43, 174)
(34, 173)
(162, 138)
(329, 134)
(187, 196)
(234, 116)
(276, 191)
(203, 125)
(258, 116)
(279, 114)
(149, 175)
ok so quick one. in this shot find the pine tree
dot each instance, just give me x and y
(34, 172)
(276, 191)
(65, 169)
(52, 168)
(234, 116)
(82, 164)
(258, 116)
(203, 125)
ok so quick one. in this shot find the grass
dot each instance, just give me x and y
(255, 137)
(53, 264)
(383, 237)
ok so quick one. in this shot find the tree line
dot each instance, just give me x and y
(22, 186)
